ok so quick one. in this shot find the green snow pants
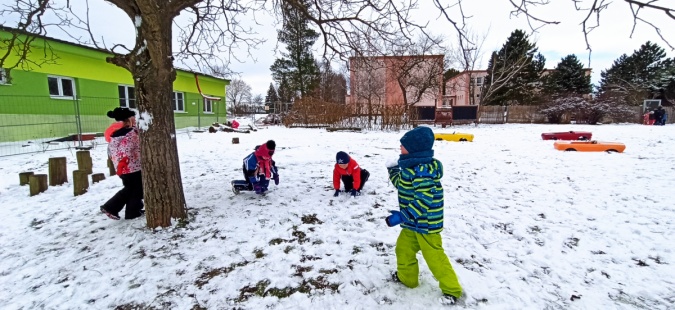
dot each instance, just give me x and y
(407, 246)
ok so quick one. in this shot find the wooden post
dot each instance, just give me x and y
(57, 171)
(23, 177)
(84, 161)
(97, 177)
(37, 183)
(235, 140)
(80, 182)
(111, 167)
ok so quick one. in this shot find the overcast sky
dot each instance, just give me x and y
(488, 17)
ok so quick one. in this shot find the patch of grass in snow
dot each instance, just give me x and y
(248, 291)
(182, 223)
(356, 250)
(305, 258)
(300, 270)
(205, 277)
(572, 242)
(36, 224)
(276, 241)
(657, 260)
(534, 230)
(300, 235)
(288, 249)
(311, 219)
(135, 306)
(472, 264)
(328, 271)
(639, 302)
(505, 227)
(379, 246)
(141, 253)
(306, 287)
(259, 253)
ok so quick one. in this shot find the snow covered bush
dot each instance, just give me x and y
(585, 111)
(556, 109)
(606, 105)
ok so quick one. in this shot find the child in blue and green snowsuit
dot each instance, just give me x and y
(420, 196)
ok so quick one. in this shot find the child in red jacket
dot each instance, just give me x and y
(351, 174)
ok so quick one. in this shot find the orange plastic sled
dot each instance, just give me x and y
(590, 146)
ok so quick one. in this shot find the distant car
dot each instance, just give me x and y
(567, 135)
(590, 146)
(455, 136)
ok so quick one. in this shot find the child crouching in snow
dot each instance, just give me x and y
(258, 169)
(417, 176)
(351, 174)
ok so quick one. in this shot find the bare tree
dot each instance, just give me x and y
(592, 10)
(238, 93)
(369, 85)
(501, 76)
(418, 70)
(467, 56)
(258, 100)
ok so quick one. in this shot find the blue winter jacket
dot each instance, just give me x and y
(251, 163)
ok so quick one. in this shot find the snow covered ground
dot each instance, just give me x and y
(526, 227)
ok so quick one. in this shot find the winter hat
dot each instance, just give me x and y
(120, 114)
(271, 145)
(342, 158)
(419, 139)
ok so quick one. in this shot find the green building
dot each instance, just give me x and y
(67, 88)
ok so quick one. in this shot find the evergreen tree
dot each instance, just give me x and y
(514, 72)
(286, 95)
(568, 78)
(271, 99)
(646, 74)
(297, 65)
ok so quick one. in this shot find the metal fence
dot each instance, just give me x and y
(31, 124)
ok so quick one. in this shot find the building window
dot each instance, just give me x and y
(208, 106)
(178, 102)
(61, 86)
(479, 81)
(3, 76)
(127, 96)
(472, 81)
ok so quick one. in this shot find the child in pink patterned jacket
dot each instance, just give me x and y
(125, 151)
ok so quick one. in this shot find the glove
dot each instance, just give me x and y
(253, 180)
(123, 166)
(394, 219)
(337, 193)
(275, 177)
(354, 193)
(391, 163)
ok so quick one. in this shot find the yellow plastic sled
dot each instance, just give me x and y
(455, 136)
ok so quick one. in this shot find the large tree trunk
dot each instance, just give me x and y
(151, 65)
